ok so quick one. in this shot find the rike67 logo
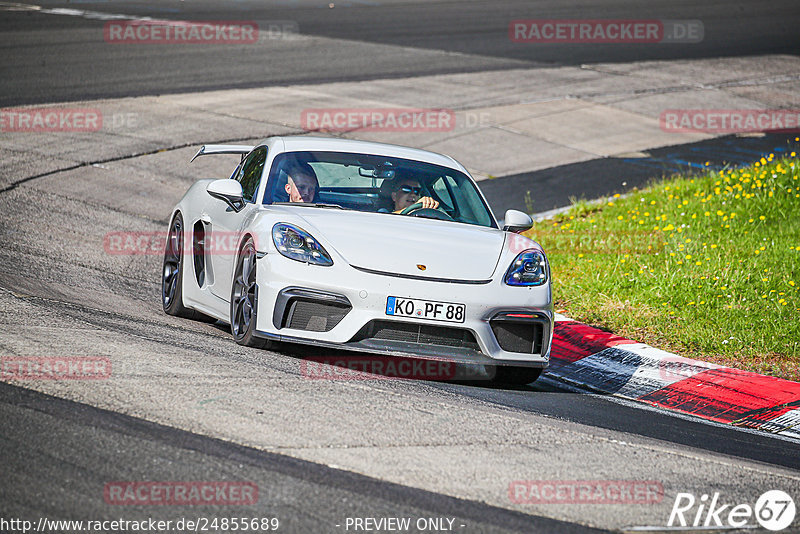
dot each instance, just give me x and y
(774, 510)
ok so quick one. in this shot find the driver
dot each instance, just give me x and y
(407, 193)
(301, 184)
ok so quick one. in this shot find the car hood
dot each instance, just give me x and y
(400, 244)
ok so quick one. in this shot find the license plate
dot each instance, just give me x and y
(426, 309)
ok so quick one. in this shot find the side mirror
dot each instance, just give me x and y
(229, 191)
(517, 221)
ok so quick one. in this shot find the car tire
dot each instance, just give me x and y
(172, 275)
(244, 299)
(515, 376)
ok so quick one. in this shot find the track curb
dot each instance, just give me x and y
(589, 358)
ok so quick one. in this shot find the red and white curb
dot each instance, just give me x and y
(592, 359)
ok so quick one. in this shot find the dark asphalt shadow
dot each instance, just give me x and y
(556, 186)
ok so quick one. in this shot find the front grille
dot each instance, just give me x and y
(423, 334)
(315, 316)
(525, 337)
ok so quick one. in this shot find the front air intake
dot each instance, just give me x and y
(309, 309)
(315, 316)
(519, 332)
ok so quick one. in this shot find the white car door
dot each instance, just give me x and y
(226, 223)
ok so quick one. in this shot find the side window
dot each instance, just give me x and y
(249, 174)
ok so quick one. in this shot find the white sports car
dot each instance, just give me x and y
(360, 246)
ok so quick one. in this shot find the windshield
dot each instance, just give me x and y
(379, 184)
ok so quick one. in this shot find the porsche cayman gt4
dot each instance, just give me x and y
(360, 246)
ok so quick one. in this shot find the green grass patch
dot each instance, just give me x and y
(705, 266)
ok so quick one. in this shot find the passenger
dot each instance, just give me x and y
(302, 183)
(407, 193)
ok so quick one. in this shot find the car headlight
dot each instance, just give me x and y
(528, 269)
(297, 244)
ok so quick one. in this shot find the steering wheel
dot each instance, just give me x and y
(416, 210)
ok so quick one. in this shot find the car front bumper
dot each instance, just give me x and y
(345, 308)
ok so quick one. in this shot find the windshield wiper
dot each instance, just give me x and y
(309, 204)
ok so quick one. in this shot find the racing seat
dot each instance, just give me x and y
(385, 204)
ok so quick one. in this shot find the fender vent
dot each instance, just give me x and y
(199, 252)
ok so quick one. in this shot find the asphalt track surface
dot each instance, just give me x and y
(58, 453)
(301, 495)
(53, 58)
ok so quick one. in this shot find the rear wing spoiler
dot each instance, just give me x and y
(222, 149)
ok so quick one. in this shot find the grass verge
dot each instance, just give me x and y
(705, 266)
